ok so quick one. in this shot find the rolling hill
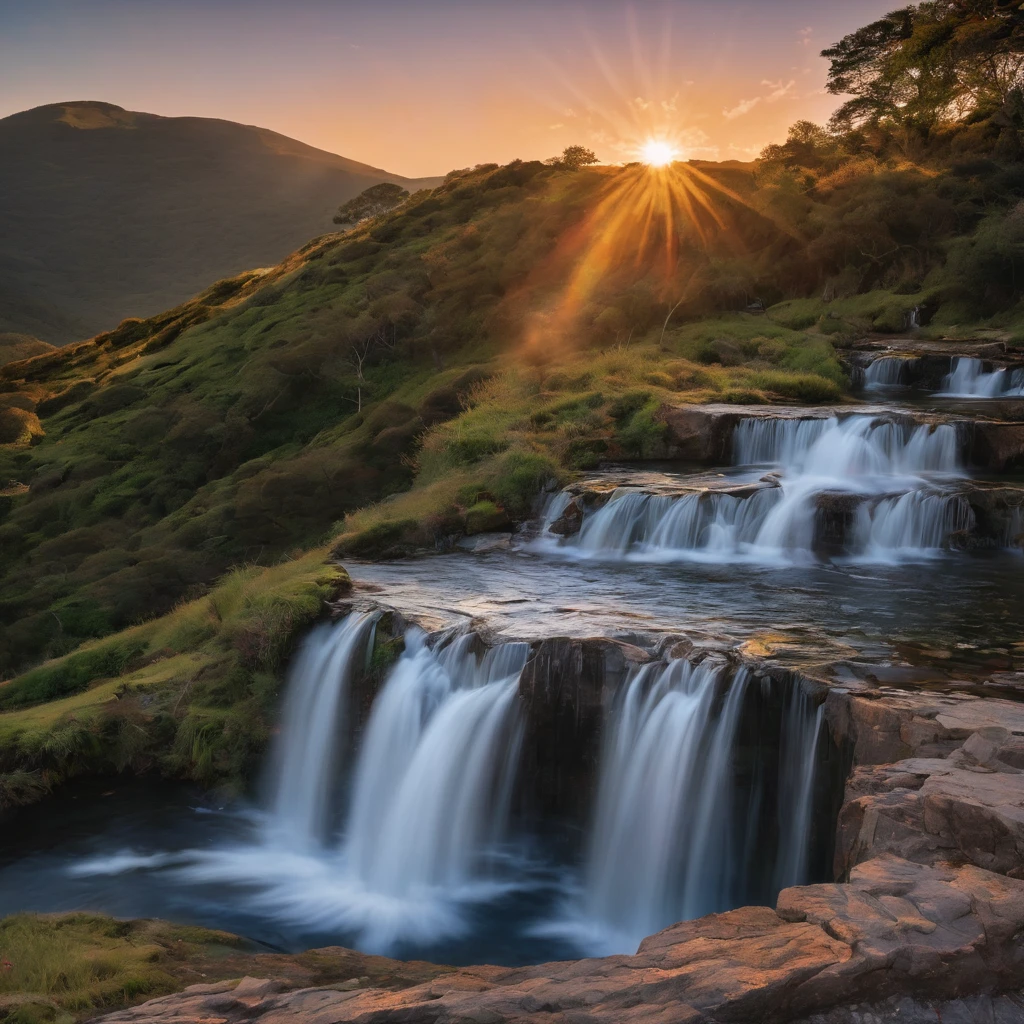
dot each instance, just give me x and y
(107, 213)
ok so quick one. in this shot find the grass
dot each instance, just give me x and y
(71, 966)
(68, 967)
(195, 700)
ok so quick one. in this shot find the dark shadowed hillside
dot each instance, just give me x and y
(107, 213)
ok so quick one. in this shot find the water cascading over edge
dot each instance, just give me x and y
(888, 372)
(894, 481)
(676, 835)
(967, 378)
(434, 777)
(306, 760)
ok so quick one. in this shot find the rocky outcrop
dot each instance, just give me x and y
(924, 809)
(896, 931)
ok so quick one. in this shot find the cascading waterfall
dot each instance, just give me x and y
(911, 522)
(969, 379)
(898, 476)
(888, 372)
(798, 747)
(673, 832)
(305, 760)
(857, 446)
(431, 796)
(434, 777)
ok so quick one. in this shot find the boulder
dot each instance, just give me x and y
(924, 809)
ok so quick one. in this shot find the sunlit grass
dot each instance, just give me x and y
(54, 966)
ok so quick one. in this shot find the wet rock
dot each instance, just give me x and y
(835, 513)
(569, 522)
(997, 446)
(564, 689)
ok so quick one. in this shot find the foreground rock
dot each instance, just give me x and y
(897, 931)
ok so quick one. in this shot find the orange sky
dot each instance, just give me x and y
(419, 88)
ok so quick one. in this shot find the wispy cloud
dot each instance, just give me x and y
(776, 91)
(805, 35)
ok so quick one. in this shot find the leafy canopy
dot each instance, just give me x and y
(931, 63)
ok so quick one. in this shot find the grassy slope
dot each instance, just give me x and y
(236, 430)
(73, 966)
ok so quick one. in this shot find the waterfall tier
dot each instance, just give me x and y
(968, 378)
(306, 758)
(863, 487)
(889, 372)
(435, 773)
(682, 827)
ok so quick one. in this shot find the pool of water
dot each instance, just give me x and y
(144, 848)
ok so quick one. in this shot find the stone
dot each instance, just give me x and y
(923, 808)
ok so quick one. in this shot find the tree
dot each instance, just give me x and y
(372, 202)
(575, 157)
(945, 60)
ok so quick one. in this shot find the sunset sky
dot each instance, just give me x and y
(421, 87)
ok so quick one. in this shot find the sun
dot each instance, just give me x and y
(657, 153)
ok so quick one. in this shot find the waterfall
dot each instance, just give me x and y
(912, 522)
(672, 830)
(888, 371)
(854, 446)
(434, 778)
(968, 379)
(894, 471)
(798, 748)
(307, 751)
(432, 788)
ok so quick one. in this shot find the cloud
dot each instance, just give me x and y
(776, 91)
(556, 126)
(741, 108)
(804, 35)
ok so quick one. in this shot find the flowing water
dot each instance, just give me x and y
(888, 372)
(677, 828)
(893, 479)
(968, 378)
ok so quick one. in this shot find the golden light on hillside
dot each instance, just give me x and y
(642, 225)
(658, 153)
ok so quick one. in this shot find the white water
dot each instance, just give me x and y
(968, 379)
(899, 474)
(430, 800)
(887, 372)
(305, 761)
(673, 836)
(435, 774)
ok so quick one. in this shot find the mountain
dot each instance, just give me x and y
(107, 213)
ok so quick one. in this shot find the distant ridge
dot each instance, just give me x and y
(107, 213)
